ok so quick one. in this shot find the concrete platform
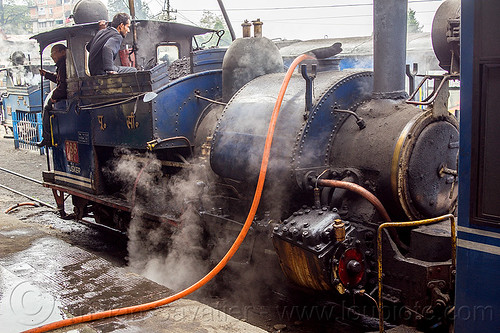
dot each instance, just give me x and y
(44, 279)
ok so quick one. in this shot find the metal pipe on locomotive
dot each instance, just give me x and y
(338, 130)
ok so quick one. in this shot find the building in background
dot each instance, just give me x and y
(48, 14)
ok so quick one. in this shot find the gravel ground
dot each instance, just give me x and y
(30, 163)
(27, 162)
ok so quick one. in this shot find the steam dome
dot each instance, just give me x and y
(87, 11)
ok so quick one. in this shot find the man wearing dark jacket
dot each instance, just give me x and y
(104, 47)
(58, 54)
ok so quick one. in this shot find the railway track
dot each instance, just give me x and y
(45, 204)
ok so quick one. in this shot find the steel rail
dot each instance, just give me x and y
(22, 176)
(82, 221)
(27, 196)
(89, 223)
(101, 226)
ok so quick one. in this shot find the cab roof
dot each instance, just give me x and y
(64, 33)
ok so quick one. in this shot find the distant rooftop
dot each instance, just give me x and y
(352, 45)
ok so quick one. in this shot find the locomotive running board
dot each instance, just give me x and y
(110, 202)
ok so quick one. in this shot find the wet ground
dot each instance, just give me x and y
(44, 279)
(272, 310)
(31, 163)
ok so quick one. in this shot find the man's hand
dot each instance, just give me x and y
(102, 24)
(53, 100)
(42, 72)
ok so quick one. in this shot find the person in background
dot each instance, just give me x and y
(104, 47)
(58, 54)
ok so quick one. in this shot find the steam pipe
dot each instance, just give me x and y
(131, 6)
(20, 204)
(389, 48)
(226, 18)
(359, 121)
(361, 191)
(134, 190)
(368, 196)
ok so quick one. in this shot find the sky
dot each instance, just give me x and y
(293, 19)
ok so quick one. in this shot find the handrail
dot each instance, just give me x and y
(408, 224)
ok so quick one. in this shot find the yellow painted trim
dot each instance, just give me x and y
(70, 175)
(72, 181)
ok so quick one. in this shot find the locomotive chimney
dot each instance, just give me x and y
(389, 48)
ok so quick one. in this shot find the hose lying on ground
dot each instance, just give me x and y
(32, 204)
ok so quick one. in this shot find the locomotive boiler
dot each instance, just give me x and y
(350, 151)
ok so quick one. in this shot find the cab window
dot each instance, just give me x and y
(167, 53)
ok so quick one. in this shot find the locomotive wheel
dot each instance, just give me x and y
(79, 207)
(111, 217)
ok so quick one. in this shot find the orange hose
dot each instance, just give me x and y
(231, 251)
(8, 210)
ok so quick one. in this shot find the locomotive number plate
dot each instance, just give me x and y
(71, 148)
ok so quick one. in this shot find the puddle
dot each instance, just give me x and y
(24, 305)
(17, 232)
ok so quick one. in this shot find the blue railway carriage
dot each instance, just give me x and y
(22, 105)
(20, 100)
(477, 307)
(108, 111)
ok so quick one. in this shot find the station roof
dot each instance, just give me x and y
(56, 35)
(416, 42)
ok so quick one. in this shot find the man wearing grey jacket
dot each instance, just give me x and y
(104, 47)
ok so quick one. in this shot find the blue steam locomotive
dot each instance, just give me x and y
(351, 151)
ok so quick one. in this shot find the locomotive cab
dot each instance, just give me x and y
(107, 111)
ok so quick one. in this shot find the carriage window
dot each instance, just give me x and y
(487, 179)
(167, 53)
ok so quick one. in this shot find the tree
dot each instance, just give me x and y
(15, 16)
(211, 21)
(142, 11)
(412, 24)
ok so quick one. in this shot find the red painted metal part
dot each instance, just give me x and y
(59, 197)
(347, 278)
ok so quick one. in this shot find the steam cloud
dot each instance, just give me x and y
(178, 257)
(21, 43)
(23, 76)
(175, 257)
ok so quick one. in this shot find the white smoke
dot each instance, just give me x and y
(23, 76)
(19, 43)
(170, 255)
